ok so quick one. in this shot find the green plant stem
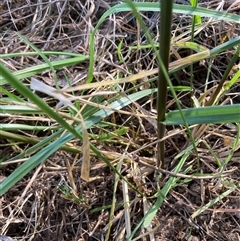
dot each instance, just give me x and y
(165, 39)
(194, 4)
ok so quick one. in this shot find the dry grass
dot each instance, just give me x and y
(35, 209)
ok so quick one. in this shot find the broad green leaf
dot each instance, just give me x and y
(197, 18)
(205, 115)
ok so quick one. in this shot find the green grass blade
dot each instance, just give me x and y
(225, 46)
(47, 53)
(215, 200)
(43, 154)
(40, 54)
(146, 220)
(38, 146)
(21, 88)
(19, 109)
(177, 8)
(8, 127)
(205, 115)
(28, 72)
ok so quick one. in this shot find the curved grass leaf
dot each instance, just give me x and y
(177, 8)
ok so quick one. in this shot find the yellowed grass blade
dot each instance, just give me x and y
(85, 170)
(66, 100)
(174, 65)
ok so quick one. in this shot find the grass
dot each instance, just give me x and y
(108, 127)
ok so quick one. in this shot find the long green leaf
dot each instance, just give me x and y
(47, 53)
(15, 127)
(28, 72)
(177, 8)
(205, 115)
(19, 109)
(43, 154)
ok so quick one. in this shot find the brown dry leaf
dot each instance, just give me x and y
(229, 141)
(85, 170)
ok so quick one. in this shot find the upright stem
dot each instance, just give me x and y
(164, 42)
